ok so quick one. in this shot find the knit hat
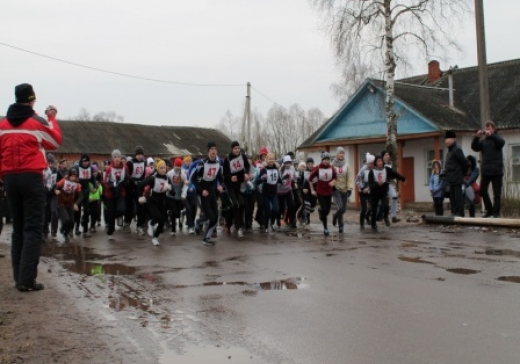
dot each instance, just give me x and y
(139, 150)
(85, 157)
(116, 153)
(263, 151)
(149, 161)
(95, 168)
(325, 155)
(301, 165)
(187, 159)
(50, 158)
(287, 159)
(73, 172)
(450, 134)
(177, 162)
(24, 93)
(370, 158)
(340, 150)
(211, 144)
(160, 164)
(310, 160)
(235, 144)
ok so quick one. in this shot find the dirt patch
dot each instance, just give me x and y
(45, 327)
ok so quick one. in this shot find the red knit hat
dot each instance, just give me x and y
(263, 151)
(177, 162)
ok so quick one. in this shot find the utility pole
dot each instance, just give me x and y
(485, 113)
(246, 122)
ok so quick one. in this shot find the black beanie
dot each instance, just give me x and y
(450, 134)
(235, 144)
(24, 93)
(85, 157)
(310, 160)
(139, 150)
(211, 144)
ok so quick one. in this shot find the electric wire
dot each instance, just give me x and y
(119, 73)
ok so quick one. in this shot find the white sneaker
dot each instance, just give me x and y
(111, 238)
(155, 241)
(191, 230)
(273, 228)
(139, 231)
(150, 228)
(240, 233)
(172, 233)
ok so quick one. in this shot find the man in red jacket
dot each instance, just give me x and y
(24, 137)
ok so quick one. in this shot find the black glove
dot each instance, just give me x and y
(349, 192)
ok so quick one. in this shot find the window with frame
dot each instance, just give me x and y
(515, 163)
(430, 157)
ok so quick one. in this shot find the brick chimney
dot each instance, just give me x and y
(434, 71)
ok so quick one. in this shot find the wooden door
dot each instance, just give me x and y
(407, 189)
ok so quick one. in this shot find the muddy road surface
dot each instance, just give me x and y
(411, 293)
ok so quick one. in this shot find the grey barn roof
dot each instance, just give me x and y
(101, 137)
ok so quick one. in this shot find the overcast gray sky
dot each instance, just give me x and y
(274, 44)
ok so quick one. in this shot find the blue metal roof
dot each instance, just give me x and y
(363, 116)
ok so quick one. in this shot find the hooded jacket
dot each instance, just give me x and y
(24, 137)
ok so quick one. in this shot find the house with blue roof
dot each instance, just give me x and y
(427, 106)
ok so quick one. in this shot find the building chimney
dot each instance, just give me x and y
(434, 71)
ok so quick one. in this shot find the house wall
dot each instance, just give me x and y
(418, 149)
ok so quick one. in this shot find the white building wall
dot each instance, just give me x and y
(418, 149)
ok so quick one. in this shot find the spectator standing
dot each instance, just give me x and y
(24, 137)
(491, 145)
(436, 186)
(455, 169)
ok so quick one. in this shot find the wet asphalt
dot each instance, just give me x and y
(411, 293)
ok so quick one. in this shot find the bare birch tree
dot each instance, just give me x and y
(387, 32)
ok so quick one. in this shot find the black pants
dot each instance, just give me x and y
(114, 207)
(340, 199)
(375, 199)
(249, 208)
(496, 184)
(458, 199)
(325, 203)
(174, 210)
(237, 204)
(133, 207)
(80, 218)
(26, 197)
(156, 207)
(191, 204)
(95, 210)
(364, 214)
(286, 205)
(51, 214)
(66, 214)
(209, 207)
(439, 208)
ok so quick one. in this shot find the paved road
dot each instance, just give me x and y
(409, 294)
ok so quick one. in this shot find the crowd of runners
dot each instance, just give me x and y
(150, 196)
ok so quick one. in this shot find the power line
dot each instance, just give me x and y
(119, 73)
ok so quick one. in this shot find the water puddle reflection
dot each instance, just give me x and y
(286, 284)
(462, 271)
(514, 279)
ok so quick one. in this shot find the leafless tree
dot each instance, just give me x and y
(230, 125)
(383, 33)
(109, 116)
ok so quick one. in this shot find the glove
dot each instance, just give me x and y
(349, 192)
(168, 187)
(264, 177)
(142, 200)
